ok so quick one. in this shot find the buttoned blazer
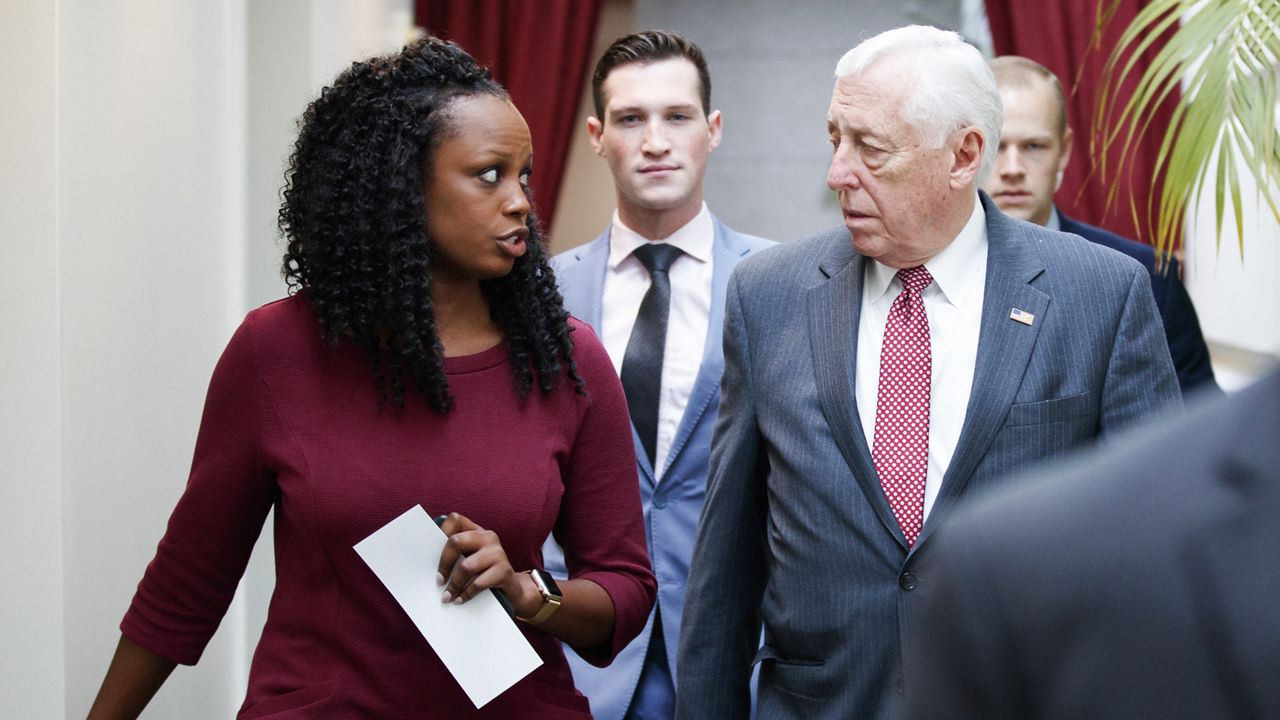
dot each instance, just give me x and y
(796, 534)
(1181, 326)
(673, 504)
(1139, 581)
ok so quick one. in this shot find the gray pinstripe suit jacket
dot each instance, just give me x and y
(796, 534)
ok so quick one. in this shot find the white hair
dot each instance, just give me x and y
(953, 86)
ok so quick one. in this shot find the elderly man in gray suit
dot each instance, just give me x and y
(876, 373)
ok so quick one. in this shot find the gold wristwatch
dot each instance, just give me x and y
(550, 597)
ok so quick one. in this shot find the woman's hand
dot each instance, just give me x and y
(473, 560)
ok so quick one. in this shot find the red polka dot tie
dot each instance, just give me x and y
(901, 446)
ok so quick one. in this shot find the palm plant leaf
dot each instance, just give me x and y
(1223, 54)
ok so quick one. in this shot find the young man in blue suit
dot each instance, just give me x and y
(654, 125)
(876, 374)
(1035, 146)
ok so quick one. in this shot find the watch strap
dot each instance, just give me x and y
(550, 602)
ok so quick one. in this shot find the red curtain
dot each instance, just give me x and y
(1058, 34)
(540, 51)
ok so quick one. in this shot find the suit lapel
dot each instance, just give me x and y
(581, 272)
(1004, 350)
(834, 308)
(581, 280)
(727, 250)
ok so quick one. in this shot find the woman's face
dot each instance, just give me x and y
(477, 194)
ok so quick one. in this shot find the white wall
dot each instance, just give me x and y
(31, 666)
(129, 162)
(296, 47)
(1235, 292)
(151, 149)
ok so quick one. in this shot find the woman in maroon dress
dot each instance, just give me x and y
(424, 358)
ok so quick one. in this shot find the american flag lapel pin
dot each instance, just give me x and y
(1021, 316)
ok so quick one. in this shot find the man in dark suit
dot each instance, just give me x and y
(655, 127)
(1035, 146)
(877, 372)
(1139, 582)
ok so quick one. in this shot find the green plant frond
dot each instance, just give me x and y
(1253, 115)
(1225, 153)
(1197, 139)
(1151, 16)
(1179, 184)
(1229, 181)
(1137, 116)
(1175, 185)
(1267, 192)
(1223, 54)
(1195, 130)
(1233, 178)
(1257, 115)
(1159, 16)
(1260, 148)
(1162, 78)
(1163, 158)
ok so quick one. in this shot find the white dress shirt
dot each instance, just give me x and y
(953, 302)
(625, 283)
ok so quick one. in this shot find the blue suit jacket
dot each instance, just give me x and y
(672, 506)
(797, 536)
(1181, 326)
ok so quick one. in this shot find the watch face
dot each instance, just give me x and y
(548, 582)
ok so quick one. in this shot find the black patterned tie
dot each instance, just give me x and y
(642, 363)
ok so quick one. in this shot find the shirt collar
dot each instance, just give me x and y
(1055, 222)
(694, 238)
(958, 270)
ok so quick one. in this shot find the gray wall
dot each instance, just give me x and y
(772, 66)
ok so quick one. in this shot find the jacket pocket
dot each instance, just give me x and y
(1051, 411)
(800, 678)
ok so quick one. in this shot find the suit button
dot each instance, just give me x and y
(907, 582)
(659, 501)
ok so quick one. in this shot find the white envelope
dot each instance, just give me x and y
(478, 641)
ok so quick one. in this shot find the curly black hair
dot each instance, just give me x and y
(355, 221)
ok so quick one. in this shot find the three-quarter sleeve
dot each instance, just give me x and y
(601, 525)
(211, 533)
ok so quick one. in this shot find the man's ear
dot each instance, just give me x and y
(595, 129)
(714, 121)
(967, 157)
(1063, 158)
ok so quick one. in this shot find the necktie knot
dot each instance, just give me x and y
(915, 279)
(657, 257)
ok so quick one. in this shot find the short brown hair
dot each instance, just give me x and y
(1016, 71)
(645, 47)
